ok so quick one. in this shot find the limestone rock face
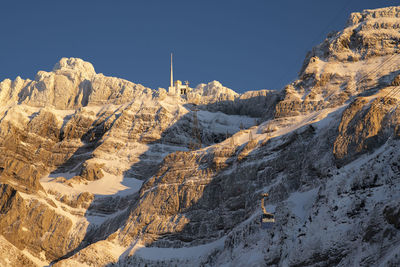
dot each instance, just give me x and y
(362, 56)
(258, 104)
(198, 198)
(99, 171)
(92, 172)
(26, 223)
(369, 33)
(77, 147)
(14, 255)
(72, 83)
(10, 91)
(363, 129)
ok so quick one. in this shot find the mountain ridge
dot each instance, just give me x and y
(117, 174)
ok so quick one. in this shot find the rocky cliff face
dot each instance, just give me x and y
(362, 57)
(77, 147)
(99, 171)
(73, 83)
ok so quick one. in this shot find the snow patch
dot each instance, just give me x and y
(108, 185)
(156, 253)
(111, 185)
(301, 202)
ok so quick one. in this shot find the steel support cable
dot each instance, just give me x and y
(393, 92)
(375, 70)
(365, 76)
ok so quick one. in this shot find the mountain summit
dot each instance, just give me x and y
(68, 65)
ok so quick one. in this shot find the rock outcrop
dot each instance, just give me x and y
(27, 223)
(360, 58)
(363, 129)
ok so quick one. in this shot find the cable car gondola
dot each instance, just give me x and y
(267, 219)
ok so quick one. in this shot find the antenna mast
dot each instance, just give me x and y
(172, 75)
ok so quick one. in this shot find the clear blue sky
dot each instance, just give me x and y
(246, 45)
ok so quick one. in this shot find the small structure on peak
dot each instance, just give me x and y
(177, 87)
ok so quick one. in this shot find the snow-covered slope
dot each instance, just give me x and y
(110, 173)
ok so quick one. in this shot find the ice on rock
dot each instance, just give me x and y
(78, 65)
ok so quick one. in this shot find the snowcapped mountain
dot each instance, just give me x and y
(99, 171)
